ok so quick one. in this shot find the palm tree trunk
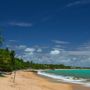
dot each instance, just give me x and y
(14, 76)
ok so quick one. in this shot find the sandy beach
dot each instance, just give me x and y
(31, 81)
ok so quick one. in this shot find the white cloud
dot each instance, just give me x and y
(59, 49)
(84, 47)
(78, 53)
(28, 52)
(58, 46)
(21, 47)
(79, 2)
(13, 41)
(73, 3)
(29, 49)
(39, 50)
(16, 47)
(20, 24)
(54, 52)
(42, 47)
(60, 42)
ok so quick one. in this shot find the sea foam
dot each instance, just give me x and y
(69, 79)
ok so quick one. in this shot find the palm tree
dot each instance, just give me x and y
(12, 55)
(1, 39)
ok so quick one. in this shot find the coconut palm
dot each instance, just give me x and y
(1, 40)
(12, 55)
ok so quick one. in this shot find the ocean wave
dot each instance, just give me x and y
(69, 79)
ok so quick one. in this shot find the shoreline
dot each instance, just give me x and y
(26, 80)
(66, 79)
(73, 85)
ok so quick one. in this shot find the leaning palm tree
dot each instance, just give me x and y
(1, 40)
(12, 55)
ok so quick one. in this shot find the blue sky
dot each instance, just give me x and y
(46, 27)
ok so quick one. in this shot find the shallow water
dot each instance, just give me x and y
(77, 76)
(78, 73)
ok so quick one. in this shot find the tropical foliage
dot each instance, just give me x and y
(9, 62)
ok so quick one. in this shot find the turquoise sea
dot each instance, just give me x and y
(79, 76)
(85, 74)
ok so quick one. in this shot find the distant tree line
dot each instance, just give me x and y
(8, 62)
(48, 66)
(52, 66)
